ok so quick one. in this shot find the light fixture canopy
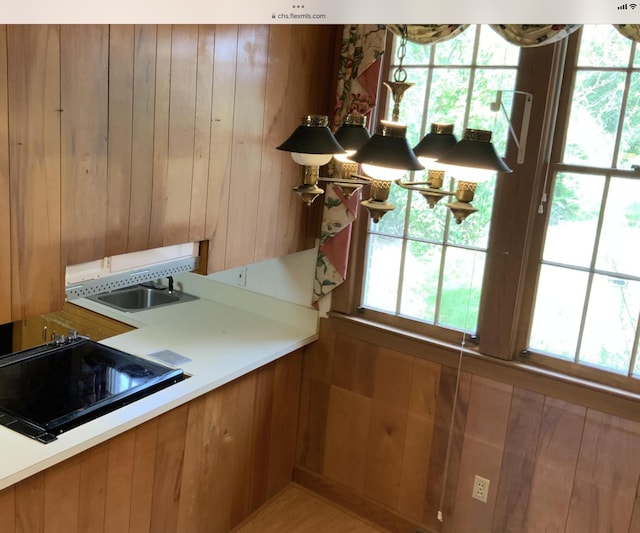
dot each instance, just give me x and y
(311, 144)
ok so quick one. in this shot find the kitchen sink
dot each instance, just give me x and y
(141, 298)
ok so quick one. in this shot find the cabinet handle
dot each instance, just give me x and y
(44, 333)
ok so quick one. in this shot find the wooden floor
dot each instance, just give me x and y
(298, 510)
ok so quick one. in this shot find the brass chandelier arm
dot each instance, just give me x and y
(421, 186)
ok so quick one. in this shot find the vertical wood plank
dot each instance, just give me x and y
(482, 451)
(436, 477)
(556, 458)
(275, 130)
(146, 445)
(607, 473)
(182, 109)
(118, 493)
(168, 469)
(202, 134)
(62, 497)
(417, 450)
(159, 195)
(92, 489)
(247, 144)
(8, 509)
(34, 168)
(191, 470)
(344, 458)
(222, 113)
(516, 473)
(142, 142)
(30, 504)
(5, 212)
(84, 83)
(354, 366)
(121, 58)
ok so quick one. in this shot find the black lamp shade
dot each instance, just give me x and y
(437, 142)
(475, 150)
(313, 136)
(388, 148)
(353, 134)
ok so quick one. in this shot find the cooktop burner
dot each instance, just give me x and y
(54, 387)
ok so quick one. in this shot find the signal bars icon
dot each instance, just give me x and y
(627, 6)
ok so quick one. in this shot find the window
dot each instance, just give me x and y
(420, 264)
(557, 287)
(587, 301)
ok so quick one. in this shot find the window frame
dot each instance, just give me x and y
(517, 228)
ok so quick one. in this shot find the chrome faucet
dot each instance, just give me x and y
(170, 288)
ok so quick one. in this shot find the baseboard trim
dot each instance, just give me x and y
(359, 505)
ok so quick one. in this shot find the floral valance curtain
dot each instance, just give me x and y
(524, 35)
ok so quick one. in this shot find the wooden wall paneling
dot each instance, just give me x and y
(556, 458)
(482, 450)
(246, 159)
(282, 435)
(121, 80)
(84, 56)
(354, 365)
(94, 465)
(5, 198)
(8, 509)
(29, 501)
(516, 473)
(276, 129)
(62, 497)
(33, 69)
(438, 459)
(118, 491)
(159, 195)
(607, 473)
(635, 516)
(142, 141)
(202, 134)
(145, 450)
(188, 512)
(421, 418)
(168, 469)
(182, 111)
(347, 434)
(220, 155)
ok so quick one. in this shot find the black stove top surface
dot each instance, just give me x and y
(52, 388)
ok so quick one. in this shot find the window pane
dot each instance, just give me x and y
(629, 153)
(618, 250)
(420, 281)
(495, 50)
(575, 209)
(558, 311)
(383, 269)
(392, 223)
(412, 104)
(457, 51)
(486, 83)
(595, 112)
(448, 97)
(416, 53)
(603, 46)
(612, 319)
(474, 231)
(424, 222)
(462, 286)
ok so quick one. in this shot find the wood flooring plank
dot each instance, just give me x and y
(518, 462)
(296, 509)
(556, 458)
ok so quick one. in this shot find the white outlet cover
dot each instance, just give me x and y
(480, 489)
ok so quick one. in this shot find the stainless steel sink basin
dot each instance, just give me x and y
(141, 298)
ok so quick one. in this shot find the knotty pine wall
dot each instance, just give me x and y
(373, 435)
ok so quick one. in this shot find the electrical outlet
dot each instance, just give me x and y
(480, 489)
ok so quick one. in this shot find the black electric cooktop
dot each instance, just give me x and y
(54, 387)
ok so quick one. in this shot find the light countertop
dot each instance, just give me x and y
(226, 333)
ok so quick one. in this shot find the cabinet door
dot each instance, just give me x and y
(33, 93)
